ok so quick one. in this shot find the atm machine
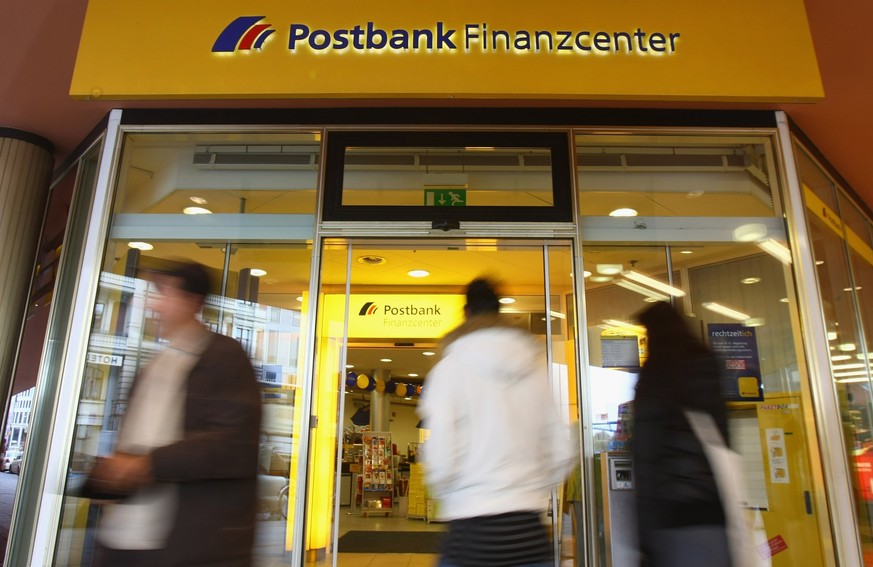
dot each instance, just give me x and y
(617, 531)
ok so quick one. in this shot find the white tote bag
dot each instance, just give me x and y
(726, 468)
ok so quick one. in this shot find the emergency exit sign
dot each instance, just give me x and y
(445, 197)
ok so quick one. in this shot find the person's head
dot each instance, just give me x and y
(665, 326)
(481, 298)
(182, 291)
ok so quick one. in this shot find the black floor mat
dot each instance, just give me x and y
(390, 542)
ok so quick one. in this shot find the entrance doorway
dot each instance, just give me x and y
(382, 308)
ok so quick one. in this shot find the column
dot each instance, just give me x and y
(380, 404)
(26, 162)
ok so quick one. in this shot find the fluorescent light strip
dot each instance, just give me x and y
(839, 357)
(641, 290)
(775, 249)
(849, 366)
(726, 311)
(852, 373)
(652, 282)
(852, 380)
(623, 325)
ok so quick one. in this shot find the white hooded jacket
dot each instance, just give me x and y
(498, 443)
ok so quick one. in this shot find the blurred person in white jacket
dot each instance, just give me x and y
(497, 444)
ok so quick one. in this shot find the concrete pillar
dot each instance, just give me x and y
(26, 162)
(380, 404)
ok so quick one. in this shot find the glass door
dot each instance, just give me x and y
(383, 307)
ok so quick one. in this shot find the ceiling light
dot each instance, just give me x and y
(428, 353)
(856, 288)
(385, 360)
(650, 300)
(750, 232)
(695, 194)
(257, 272)
(140, 245)
(412, 375)
(350, 365)
(623, 212)
(726, 311)
(849, 366)
(754, 322)
(198, 200)
(832, 335)
(196, 211)
(784, 300)
(609, 269)
(641, 290)
(652, 282)
(586, 274)
(750, 281)
(300, 298)
(686, 251)
(850, 380)
(624, 325)
(839, 357)
(775, 249)
(847, 347)
(507, 300)
(601, 279)
(418, 273)
(860, 356)
(819, 262)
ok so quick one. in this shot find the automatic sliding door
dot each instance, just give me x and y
(383, 308)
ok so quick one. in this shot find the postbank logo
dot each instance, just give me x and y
(369, 308)
(246, 33)
(243, 34)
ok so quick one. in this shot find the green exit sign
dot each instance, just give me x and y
(445, 197)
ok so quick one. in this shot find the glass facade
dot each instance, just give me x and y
(691, 216)
(840, 238)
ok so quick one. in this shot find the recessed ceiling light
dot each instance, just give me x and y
(651, 300)
(832, 335)
(198, 200)
(695, 194)
(750, 232)
(428, 353)
(300, 298)
(140, 245)
(257, 272)
(750, 281)
(847, 347)
(586, 274)
(686, 251)
(350, 365)
(609, 269)
(385, 360)
(412, 375)
(418, 273)
(784, 300)
(856, 288)
(600, 279)
(839, 357)
(507, 300)
(371, 260)
(623, 212)
(819, 262)
(196, 211)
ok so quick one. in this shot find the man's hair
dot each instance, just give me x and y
(482, 297)
(193, 278)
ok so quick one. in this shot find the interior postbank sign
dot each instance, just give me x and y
(618, 50)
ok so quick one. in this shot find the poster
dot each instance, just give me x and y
(736, 346)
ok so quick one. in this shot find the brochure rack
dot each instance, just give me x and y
(378, 474)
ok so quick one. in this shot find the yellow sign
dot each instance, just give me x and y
(382, 316)
(620, 50)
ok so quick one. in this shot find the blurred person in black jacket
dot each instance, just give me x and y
(681, 520)
(181, 485)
